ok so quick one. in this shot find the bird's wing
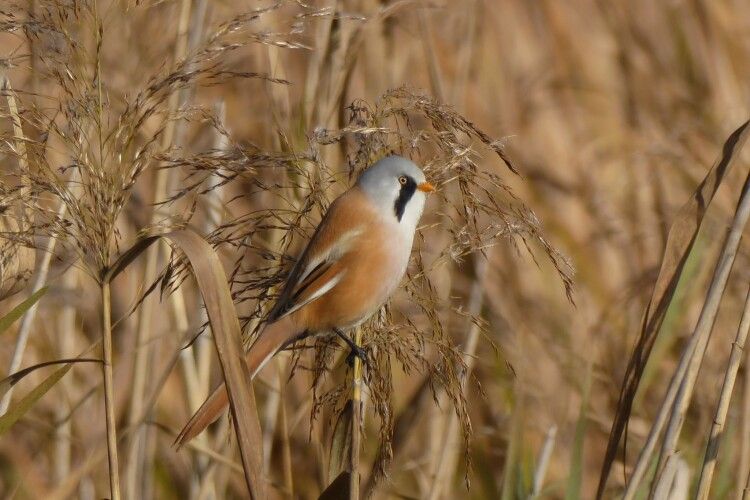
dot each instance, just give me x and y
(319, 269)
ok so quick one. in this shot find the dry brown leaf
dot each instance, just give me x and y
(680, 241)
(341, 443)
(338, 489)
(214, 288)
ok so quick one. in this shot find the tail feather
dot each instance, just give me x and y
(274, 337)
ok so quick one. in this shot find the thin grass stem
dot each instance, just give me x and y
(705, 325)
(543, 461)
(109, 392)
(446, 463)
(735, 357)
(20, 140)
(356, 420)
(63, 437)
(138, 445)
(678, 394)
(24, 329)
(744, 465)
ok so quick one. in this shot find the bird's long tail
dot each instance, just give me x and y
(275, 336)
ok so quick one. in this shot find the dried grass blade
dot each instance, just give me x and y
(21, 309)
(680, 241)
(683, 382)
(127, 257)
(214, 288)
(12, 380)
(225, 326)
(18, 410)
(341, 443)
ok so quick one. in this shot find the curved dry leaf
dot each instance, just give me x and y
(225, 326)
(18, 410)
(13, 379)
(127, 257)
(341, 443)
(680, 241)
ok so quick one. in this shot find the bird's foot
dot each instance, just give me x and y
(354, 349)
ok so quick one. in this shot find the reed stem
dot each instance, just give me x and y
(138, 459)
(735, 357)
(109, 392)
(705, 325)
(446, 463)
(356, 420)
(744, 463)
(677, 398)
(24, 330)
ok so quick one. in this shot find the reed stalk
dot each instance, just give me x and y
(24, 329)
(542, 463)
(357, 419)
(20, 143)
(63, 433)
(722, 408)
(705, 325)
(40, 277)
(675, 402)
(443, 474)
(744, 464)
(139, 445)
(109, 392)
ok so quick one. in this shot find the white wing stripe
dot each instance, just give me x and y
(318, 293)
(333, 253)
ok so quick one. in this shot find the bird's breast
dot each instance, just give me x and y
(372, 270)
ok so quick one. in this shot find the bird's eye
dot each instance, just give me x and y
(402, 180)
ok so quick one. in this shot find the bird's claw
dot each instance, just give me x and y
(357, 352)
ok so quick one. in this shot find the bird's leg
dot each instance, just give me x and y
(356, 350)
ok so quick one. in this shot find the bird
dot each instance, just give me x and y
(354, 261)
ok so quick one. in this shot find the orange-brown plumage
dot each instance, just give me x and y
(351, 265)
(359, 291)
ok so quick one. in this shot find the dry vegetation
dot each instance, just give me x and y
(562, 136)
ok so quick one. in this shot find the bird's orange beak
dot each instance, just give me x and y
(426, 187)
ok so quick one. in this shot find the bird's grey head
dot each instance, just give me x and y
(398, 186)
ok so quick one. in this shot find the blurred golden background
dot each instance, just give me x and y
(612, 112)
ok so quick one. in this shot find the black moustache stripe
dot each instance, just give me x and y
(406, 193)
